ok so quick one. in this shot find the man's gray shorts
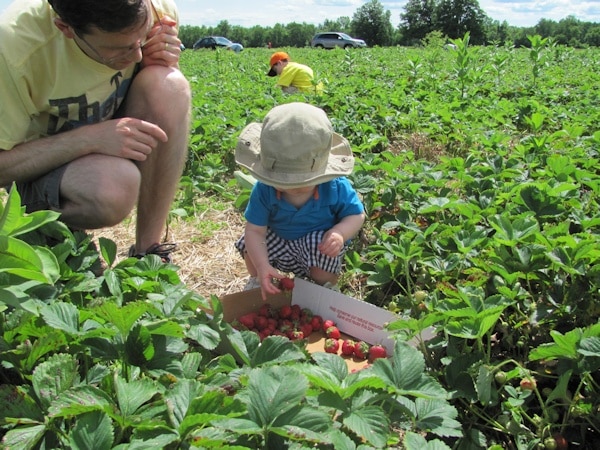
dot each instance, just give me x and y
(43, 192)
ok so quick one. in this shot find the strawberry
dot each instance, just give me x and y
(332, 345)
(316, 322)
(285, 312)
(377, 351)
(247, 320)
(286, 284)
(333, 332)
(348, 347)
(361, 350)
(296, 335)
(327, 324)
(307, 329)
(266, 310)
(261, 322)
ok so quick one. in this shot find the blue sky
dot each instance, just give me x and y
(247, 13)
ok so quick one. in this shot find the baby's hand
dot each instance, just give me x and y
(332, 243)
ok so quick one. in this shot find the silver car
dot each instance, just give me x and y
(332, 39)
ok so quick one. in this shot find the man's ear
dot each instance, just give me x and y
(64, 28)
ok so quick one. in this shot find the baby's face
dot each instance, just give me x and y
(298, 191)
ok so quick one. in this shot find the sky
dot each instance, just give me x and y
(247, 13)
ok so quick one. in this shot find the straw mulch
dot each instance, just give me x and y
(209, 264)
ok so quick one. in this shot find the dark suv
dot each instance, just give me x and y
(333, 39)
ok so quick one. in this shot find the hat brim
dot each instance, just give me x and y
(272, 72)
(247, 154)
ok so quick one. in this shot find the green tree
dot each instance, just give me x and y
(457, 17)
(417, 21)
(373, 24)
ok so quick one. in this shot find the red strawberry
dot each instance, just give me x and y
(286, 284)
(247, 320)
(261, 322)
(377, 351)
(333, 332)
(266, 310)
(332, 345)
(361, 350)
(328, 323)
(316, 322)
(296, 335)
(348, 347)
(307, 329)
(285, 312)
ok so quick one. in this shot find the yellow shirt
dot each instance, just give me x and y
(47, 84)
(298, 76)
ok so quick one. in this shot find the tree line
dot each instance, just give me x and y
(371, 22)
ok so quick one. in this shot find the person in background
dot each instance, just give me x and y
(293, 76)
(95, 112)
(303, 211)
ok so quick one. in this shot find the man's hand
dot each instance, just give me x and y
(163, 46)
(126, 138)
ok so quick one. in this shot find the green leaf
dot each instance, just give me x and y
(276, 350)
(180, 397)
(54, 376)
(17, 403)
(370, 423)
(272, 391)
(24, 438)
(92, 430)
(79, 400)
(206, 336)
(130, 396)
(139, 348)
(62, 316)
(414, 441)
(124, 317)
(108, 250)
(21, 259)
(438, 417)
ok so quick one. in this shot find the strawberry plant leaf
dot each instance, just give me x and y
(62, 316)
(108, 250)
(139, 348)
(272, 391)
(438, 417)
(414, 441)
(92, 430)
(26, 437)
(54, 376)
(17, 403)
(80, 400)
(369, 422)
(276, 350)
(131, 396)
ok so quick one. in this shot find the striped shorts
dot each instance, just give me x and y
(298, 255)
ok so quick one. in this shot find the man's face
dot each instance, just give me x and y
(116, 50)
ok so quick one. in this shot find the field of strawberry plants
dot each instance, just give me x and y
(479, 171)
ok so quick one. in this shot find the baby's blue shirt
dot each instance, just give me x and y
(336, 199)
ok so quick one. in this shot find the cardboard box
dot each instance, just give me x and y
(354, 318)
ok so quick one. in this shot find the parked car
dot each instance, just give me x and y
(332, 39)
(218, 41)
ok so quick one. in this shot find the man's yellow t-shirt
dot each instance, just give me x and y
(47, 83)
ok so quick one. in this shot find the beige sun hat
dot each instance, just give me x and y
(294, 147)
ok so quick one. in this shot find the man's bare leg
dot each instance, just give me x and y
(162, 96)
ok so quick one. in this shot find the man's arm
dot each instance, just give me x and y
(126, 138)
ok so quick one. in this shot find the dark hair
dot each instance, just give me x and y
(107, 15)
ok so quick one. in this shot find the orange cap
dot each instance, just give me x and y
(275, 58)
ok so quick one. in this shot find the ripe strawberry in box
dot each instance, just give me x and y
(361, 350)
(377, 351)
(333, 332)
(332, 345)
(348, 347)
